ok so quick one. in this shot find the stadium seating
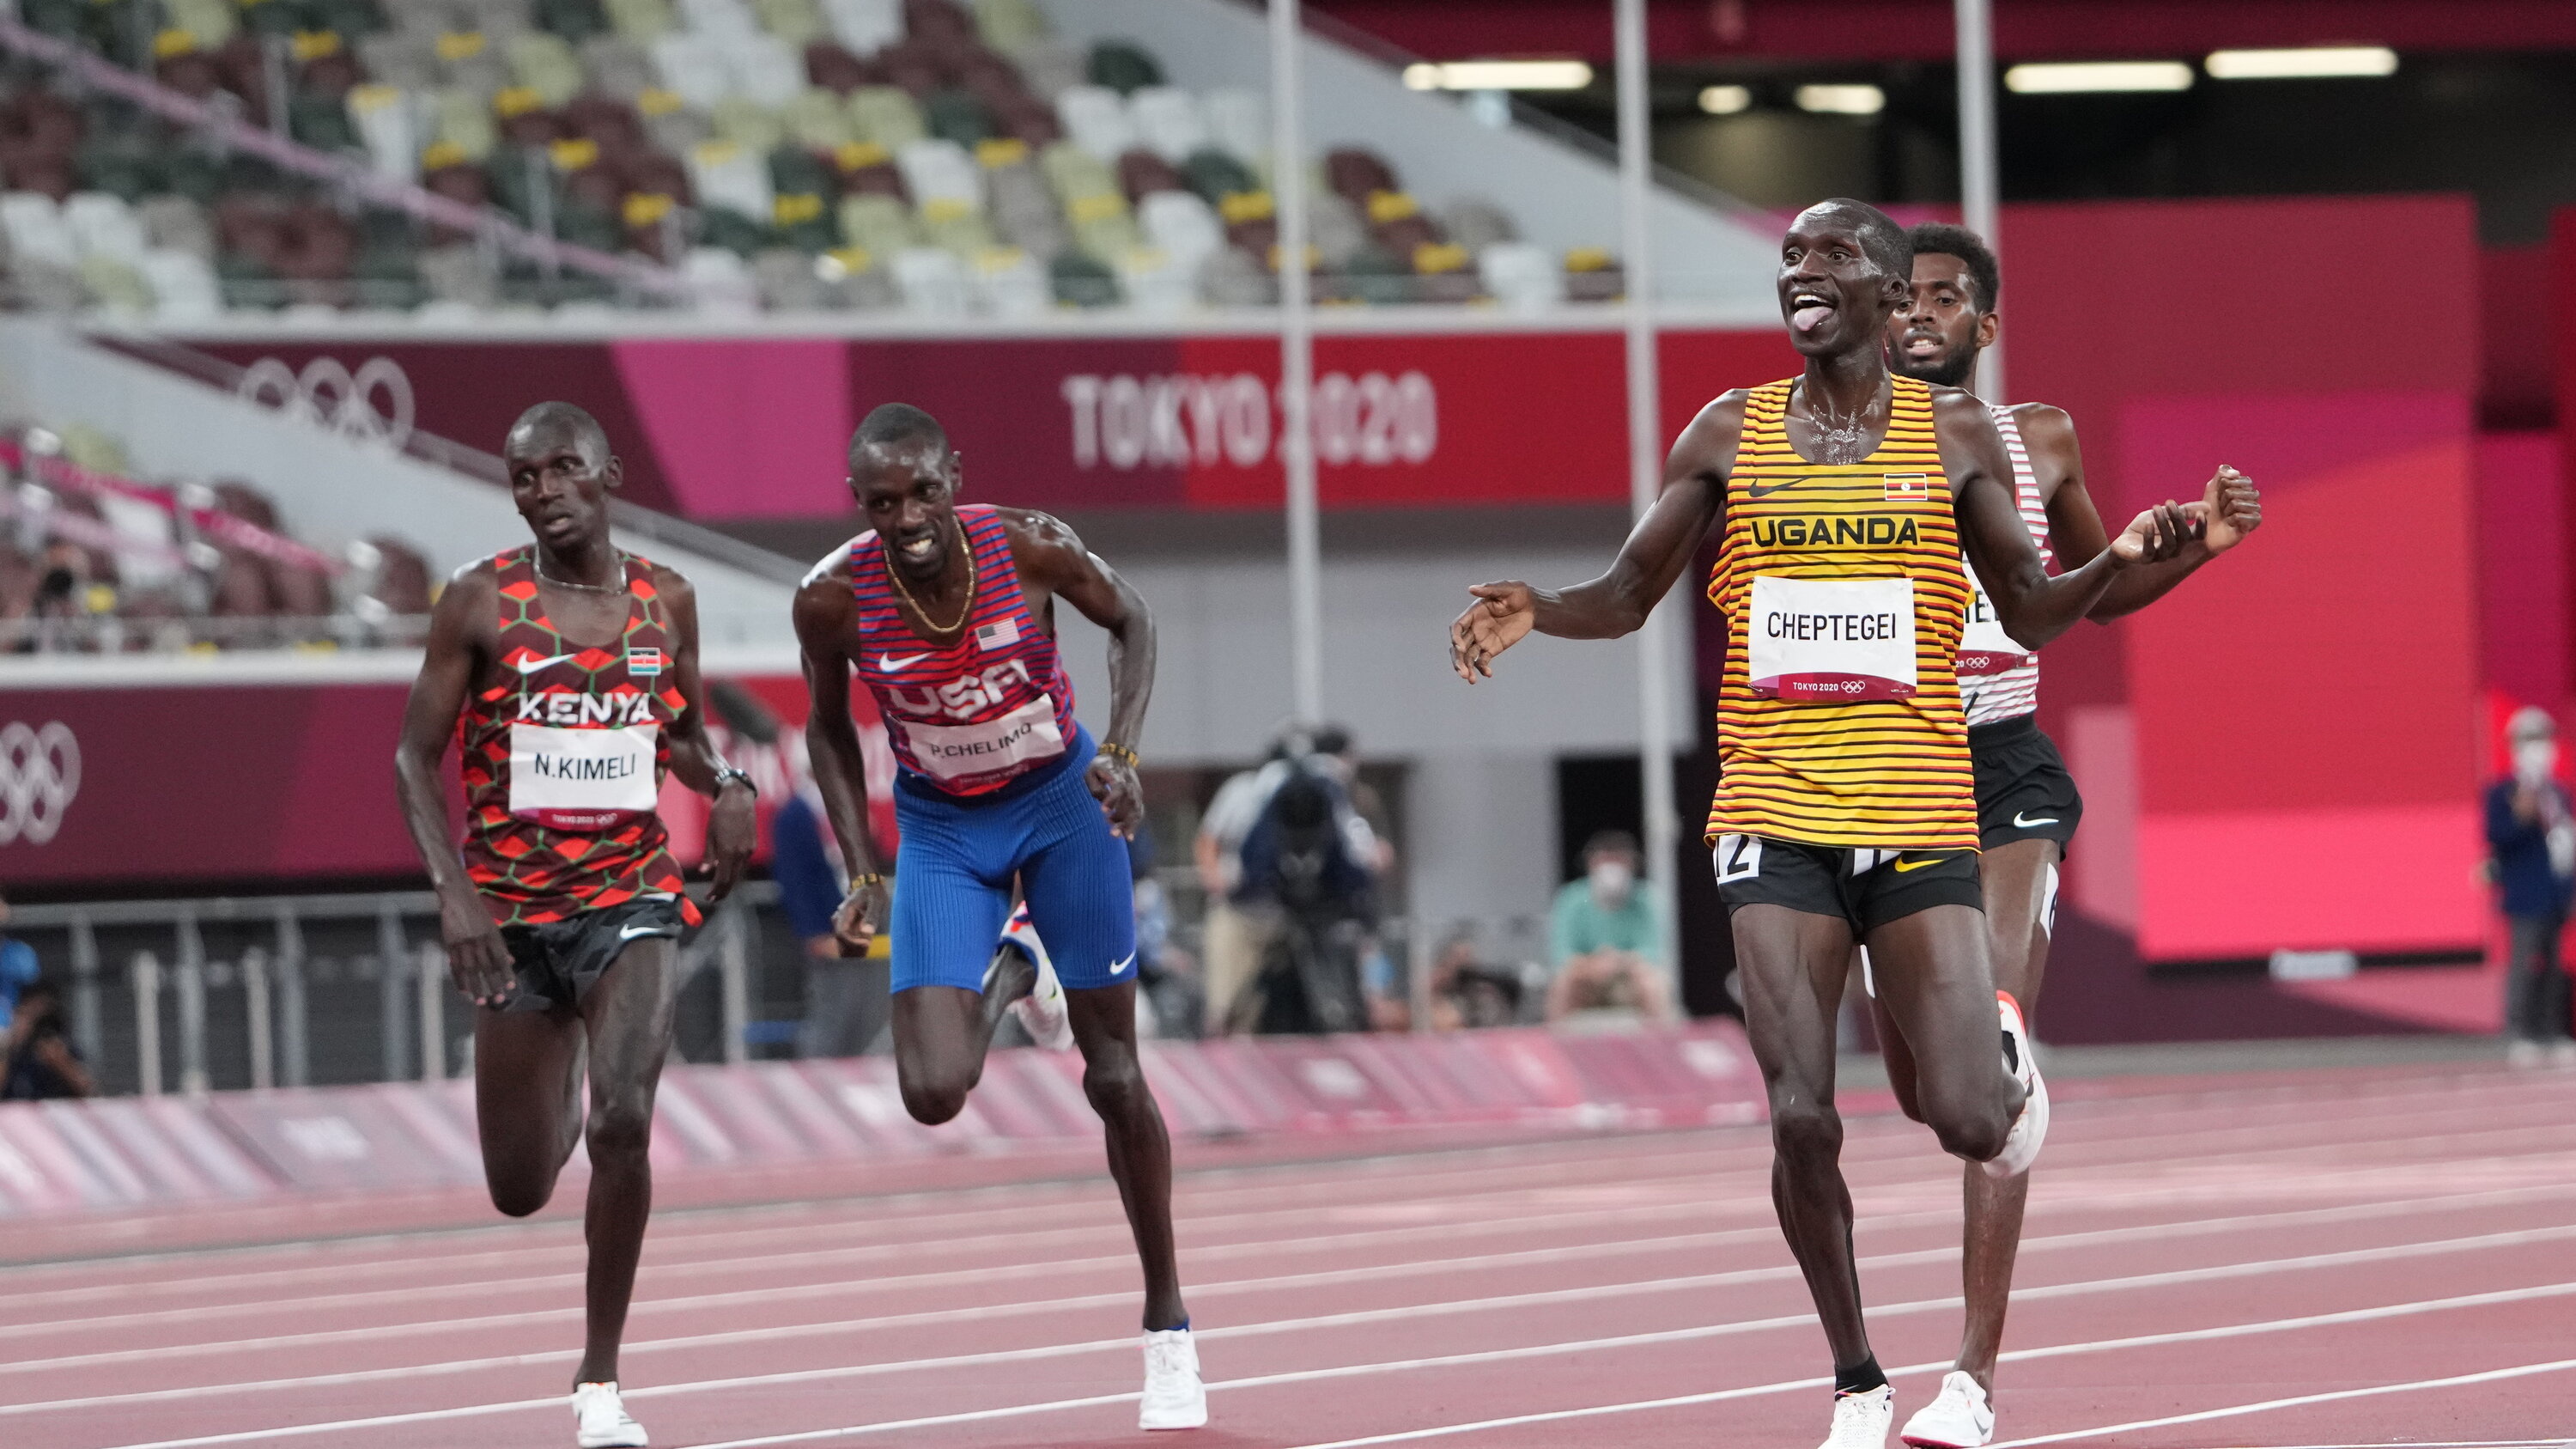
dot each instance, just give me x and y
(94, 561)
(736, 140)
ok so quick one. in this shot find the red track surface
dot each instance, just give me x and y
(2394, 1251)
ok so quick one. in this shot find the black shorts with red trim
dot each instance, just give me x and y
(1866, 888)
(2024, 790)
(557, 963)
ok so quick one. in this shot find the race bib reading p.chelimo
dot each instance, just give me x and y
(958, 752)
(582, 779)
(1831, 640)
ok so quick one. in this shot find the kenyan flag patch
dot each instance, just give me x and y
(643, 663)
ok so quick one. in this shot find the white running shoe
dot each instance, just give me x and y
(1860, 1420)
(2030, 1129)
(1043, 1012)
(1959, 1419)
(1174, 1397)
(602, 1419)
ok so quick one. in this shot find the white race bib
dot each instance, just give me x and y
(957, 752)
(582, 779)
(1984, 648)
(1831, 640)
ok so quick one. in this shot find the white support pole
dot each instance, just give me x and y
(1980, 164)
(432, 985)
(146, 974)
(733, 979)
(1645, 450)
(1296, 366)
(260, 1014)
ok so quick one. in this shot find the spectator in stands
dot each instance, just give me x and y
(1606, 942)
(39, 1060)
(61, 601)
(1169, 978)
(18, 968)
(1235, 931)
(1468, 993)
(2531, 831)
(1312, 858)
(846, 999)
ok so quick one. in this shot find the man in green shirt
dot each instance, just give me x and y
(1606, 938)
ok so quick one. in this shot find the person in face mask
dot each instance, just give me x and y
(2531, 833)
(1606, 938)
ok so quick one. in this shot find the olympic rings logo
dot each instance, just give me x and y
(40, 772)
(328, 395)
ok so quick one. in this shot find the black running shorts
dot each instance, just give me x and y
(1867, 888)
(2024, 791)
(558, 962)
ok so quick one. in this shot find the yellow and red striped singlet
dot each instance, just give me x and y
(1839, 722)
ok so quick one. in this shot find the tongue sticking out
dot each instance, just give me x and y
(1810, 317)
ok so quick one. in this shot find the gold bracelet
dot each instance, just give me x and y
(1120, 753)
(869, 881)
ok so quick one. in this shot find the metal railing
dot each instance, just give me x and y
(183, 633)
(255, 999)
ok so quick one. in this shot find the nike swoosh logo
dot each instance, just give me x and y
(1905, 865)
(1765, 490)
(890, 664)
(1121, 968)
(531, 666)
(2021, 824)
(647, 929)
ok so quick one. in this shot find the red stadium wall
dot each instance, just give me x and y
(2285, 752)
(160, 787)
(754, 428)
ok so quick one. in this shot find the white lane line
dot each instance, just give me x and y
(1753, 1391)
(1520, 1300)
(1710, 1199)
(1675, 1161)
(2457, 1091)
(2145, 1232)
(1678, 1168)
(2488, 1376)
(2281, 1325)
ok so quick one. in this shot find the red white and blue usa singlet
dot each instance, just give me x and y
(564, 755)
(971, 716)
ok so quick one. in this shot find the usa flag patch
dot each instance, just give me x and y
(644, 663)
(1000, 634)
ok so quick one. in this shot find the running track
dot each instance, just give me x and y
(2328, 1258)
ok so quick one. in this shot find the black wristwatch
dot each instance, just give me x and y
(727, 774)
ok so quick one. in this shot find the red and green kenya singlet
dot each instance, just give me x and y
(564, 754)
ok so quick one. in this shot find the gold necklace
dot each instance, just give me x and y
(963, 610)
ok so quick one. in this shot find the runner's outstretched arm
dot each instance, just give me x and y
(459, 641)
(840, 768)
(1691, 502)
(2075, 528)
(1052, 557)
(732, 827)
(2033, 606)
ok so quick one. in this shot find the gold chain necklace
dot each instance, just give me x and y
(963, 610)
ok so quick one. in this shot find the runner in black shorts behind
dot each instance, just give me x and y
(2027, 805)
